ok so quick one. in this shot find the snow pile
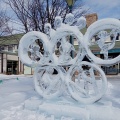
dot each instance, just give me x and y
(19, 101)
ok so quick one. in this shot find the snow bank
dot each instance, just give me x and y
(19, 101)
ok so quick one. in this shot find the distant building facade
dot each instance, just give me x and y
(91, 18)
(10, 63)
(115, 69)
(9, 60)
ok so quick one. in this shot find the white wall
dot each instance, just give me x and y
(0, 62)
(4, 63)
(12, 57)
(27, 70)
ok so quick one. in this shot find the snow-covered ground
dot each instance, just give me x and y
(19, 101)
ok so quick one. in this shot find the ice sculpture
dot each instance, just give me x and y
(55, 69)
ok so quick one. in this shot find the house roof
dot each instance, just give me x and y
(10, 40)
(83, 30)
(14, 39)
(9, 52)
(95, 49)
(117, 45)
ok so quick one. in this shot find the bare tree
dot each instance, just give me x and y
(4, 28)
(6, 31)
(33, 14)
(20, 8)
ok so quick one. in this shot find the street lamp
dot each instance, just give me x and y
(70, 5)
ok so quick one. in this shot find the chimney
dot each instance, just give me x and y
(91, 18)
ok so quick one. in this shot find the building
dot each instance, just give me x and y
(10, 63)
(112, 53)
(115, 69)
(91, 18)
(9, 60)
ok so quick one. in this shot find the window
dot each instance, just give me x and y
(1, 48)
(10, 48)
(117, 38)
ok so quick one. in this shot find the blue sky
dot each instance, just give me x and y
(104, 8)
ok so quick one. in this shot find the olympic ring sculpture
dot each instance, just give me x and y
(57, 71)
